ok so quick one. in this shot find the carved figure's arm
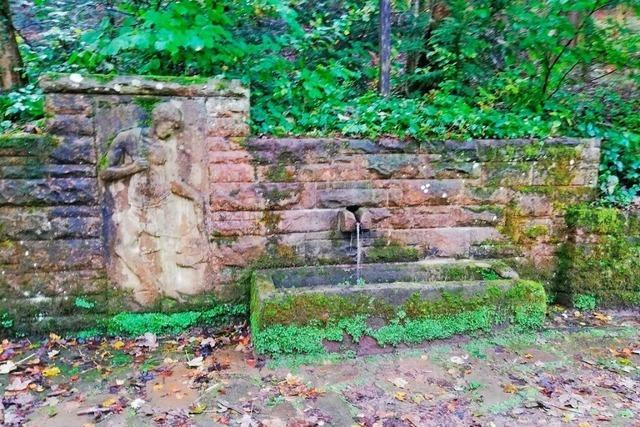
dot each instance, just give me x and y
(118, 172)
(123, 145)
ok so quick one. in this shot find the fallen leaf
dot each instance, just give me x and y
(196, 362)
(197, 409)
(108, 402)
(458, 360)
(117, 345)
(18, 384)
(7, 367)
(509, 388)
(53, 371)
(401, 396)
(398, 382)
(137, 403)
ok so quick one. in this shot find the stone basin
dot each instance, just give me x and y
(302, 309)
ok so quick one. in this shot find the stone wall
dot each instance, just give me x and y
(277, 202)
(77, 229)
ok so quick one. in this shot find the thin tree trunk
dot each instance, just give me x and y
(385, 47)
(10, 60)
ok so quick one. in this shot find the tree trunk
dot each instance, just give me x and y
(10, 60)
(385, 47)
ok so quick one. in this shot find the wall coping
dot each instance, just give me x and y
(103, 84)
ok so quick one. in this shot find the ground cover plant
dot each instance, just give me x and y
(460, 69)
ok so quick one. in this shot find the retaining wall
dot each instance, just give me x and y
(266, 202)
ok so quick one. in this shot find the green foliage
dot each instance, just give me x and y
(464, 69)
(134, 324)
(584, 302)
(84, 303)
(6, 321)
(20, 106)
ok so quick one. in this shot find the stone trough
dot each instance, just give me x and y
(315, 309)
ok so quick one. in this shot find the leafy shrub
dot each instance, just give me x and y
(461, 69)
(584, 302)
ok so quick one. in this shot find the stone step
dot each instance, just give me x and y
(312, 309)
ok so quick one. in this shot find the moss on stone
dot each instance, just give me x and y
(270, 220)
(595, 219)
(301, 323)
(603, 263)
(147, 104)
(279, 173)
(391, 251)
(535, 231)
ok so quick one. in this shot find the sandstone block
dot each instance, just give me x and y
(238, 172)
(59, 103)
(58, 191)
(74, 150)
(70, 124)
(228, 126)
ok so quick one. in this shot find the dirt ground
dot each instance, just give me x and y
(582, 370)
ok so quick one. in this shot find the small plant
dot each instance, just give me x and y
(488, 274)
(84, 303)
(584, 302)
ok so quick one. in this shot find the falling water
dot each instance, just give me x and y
(358, 251)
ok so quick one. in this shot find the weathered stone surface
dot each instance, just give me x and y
(257, 201)
(423, 192)
(228, 126)
(346, 221)
(446, 242)
(239, 252)
(73, 150)
(70, 124)
(47, 223)
(224, 106)
(141, 85)
(58, 191)
(232, 173)
(344, 194)
(308, 220)
(55, 283)
(245, 197)
(155, 178)
(59, 103)
(52, 255)
(35, 170)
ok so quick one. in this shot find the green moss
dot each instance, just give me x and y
(391, 251)
(536, 231)
(301, 323)
(279, 173)
(107, 78)
(270, 220)
(147, 104)
(37, 146)
(595, 219)
(277, 255)
(513, 226)
(604, 263)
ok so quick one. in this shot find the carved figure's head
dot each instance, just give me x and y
(167, 118)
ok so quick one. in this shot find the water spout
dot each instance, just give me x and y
(358, 252)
